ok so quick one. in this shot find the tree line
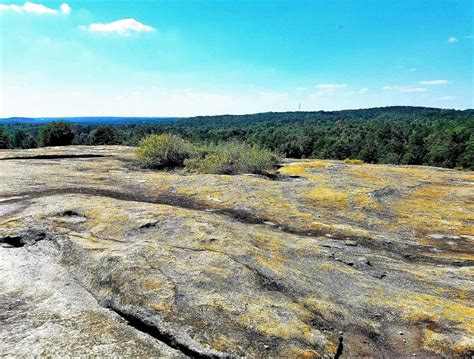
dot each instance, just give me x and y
(398, 135)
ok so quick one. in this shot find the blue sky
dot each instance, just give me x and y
(197, 57)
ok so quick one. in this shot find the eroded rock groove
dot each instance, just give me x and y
(162, 336)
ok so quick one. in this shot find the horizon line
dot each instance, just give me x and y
(230, 114)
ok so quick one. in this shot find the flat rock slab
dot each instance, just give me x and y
(45, 312)
(101, 258)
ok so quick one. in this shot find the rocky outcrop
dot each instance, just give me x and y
(323, 259)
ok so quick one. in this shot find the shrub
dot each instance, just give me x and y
(353, 162)
(163, 151)
(233, 158)
(104, 135)
(56, 134)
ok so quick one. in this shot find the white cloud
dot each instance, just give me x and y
(405, 89)
(452, 39)
(433, 82)
(331, 86)
(34, 8)
(361, 91)
(122, 27)
(328, 89)
(413, 89)
(65, 8)
(444, 98)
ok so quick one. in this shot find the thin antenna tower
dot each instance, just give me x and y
(299, 107)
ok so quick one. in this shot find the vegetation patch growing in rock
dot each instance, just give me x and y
(168, 151)
(232, 158)
(163, 151)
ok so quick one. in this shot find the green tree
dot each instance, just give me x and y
(104, 135)
(466, 159)
(5, 140)
(441, 149)
(57, 133)
(23, 139)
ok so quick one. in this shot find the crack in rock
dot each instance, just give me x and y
(51, 157)
(164, 337)
(340, 348)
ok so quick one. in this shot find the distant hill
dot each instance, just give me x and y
(396, 135)
(358, 115)
(89, 120)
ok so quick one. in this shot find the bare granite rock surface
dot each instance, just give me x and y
(323, 259)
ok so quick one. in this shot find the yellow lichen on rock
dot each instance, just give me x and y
(319, 258)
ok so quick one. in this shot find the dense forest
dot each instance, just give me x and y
(398, 135)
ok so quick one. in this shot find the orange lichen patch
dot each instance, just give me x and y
(309, 354)
(162, 308)
(222, 343)
(332, 347)
(349, 161)
(333, 312)
(345, 202)
(327, 197)
(370, 176)
(465, 294)
(429, 174)
(274, 261)
(263, 318)
(465, 345)
(329, 266)
(89, 241)
(292, 351)
(437, 209)
(419, 307)
(152, 284)
(446, 345)
(452, 256)
(205, 192)
(302, 168)
(11, 223)
(437, 342)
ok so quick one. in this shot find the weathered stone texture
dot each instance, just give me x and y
(101, 258)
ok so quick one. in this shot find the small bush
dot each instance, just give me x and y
(163, 151)
(353, 162)
(232, 158)
(56, 134)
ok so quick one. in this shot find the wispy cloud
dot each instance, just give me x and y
(328, 89)
(122, 27)
(444, 98)
(330, 86)
(405, 89)
(361, 91)
(452, 39)
(413, 89)
(433, 82)
(412, 69)
(34, 8)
